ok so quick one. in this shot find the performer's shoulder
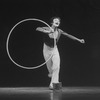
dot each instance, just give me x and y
(60, 30)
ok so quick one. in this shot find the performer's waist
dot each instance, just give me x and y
(50, 47)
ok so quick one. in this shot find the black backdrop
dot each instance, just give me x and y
(79, 62)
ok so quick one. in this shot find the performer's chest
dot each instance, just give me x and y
(54, 35)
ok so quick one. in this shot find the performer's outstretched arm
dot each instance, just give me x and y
(43, 29)
(72, 37)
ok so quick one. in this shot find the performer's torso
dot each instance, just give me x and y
(51, 38)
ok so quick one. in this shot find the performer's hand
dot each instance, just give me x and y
(39, 29)
(82, 41)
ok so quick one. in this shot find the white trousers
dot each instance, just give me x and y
(53, 64)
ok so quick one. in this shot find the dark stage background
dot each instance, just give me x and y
(80, 63)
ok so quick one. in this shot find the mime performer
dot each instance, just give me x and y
(53, 64)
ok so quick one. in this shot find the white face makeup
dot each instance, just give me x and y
(56, 22)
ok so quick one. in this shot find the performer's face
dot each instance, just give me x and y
(56, 22)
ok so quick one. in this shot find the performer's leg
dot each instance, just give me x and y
(47, 55)
(55, 68)
(49, 67)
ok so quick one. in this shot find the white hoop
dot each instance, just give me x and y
(7, 42)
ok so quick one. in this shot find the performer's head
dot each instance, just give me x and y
(55, 21)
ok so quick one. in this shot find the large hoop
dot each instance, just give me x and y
(7, 44)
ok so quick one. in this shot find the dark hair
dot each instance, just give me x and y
(51, 20)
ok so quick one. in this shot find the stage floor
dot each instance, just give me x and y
(43, 93)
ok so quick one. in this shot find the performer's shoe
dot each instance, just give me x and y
(57, 86)
(51, 88)
(50, 75)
